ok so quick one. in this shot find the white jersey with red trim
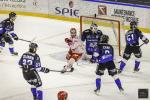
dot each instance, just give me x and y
(76, 45)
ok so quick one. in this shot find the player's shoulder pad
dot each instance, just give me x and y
(25, 53)
(7, 20)
(99, 31)
(104, 44)
(139, 31)
(86, 31)
(37, 56)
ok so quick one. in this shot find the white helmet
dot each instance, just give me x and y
(73, 32)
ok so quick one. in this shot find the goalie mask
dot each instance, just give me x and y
(33, 47)
(133, 25)
(73, 32)
(62, 95)
(93, 27)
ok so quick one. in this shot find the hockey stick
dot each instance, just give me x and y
(142, 44)
(55, 70)
(27, 40)
(58, 71)
(24, 40)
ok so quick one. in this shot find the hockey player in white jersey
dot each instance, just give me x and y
(75, 50)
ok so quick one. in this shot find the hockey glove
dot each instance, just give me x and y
(92, 60)
(14, 36)
(146, 41)
(67, 40)
(45, 70)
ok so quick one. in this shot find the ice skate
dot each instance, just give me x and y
(15, 54)
(64, 69)
(72, 69)
(136, 70)
(119, 71)
(35, 98)
(121, 90)
(97, 92)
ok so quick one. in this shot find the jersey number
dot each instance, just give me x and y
(130, 37)
(107, 52)
(27, 62)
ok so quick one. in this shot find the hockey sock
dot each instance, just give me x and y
(34, 92)
(137, 64)
(98, 83)
(118, 83)
(11, 50)
(40, 95)
(2, 45)
(70, 63)
(122, 65)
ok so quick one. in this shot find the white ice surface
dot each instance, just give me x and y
(50, 34)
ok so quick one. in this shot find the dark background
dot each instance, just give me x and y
(139, 2)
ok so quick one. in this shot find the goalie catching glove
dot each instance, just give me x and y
(67, 40)
(146, 41)
(45, 70)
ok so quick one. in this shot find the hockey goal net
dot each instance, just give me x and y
(111, 26)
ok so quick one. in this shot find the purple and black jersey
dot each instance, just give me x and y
(30, 60)
(132, 37)
(6, 26)
(91, 39)
(103, 53)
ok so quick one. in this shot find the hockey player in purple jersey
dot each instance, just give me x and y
(103, 55)
(91, 37)
(31, 65)
(132, 37)
(7, 33)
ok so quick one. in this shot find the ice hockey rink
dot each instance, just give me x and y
(49, 35)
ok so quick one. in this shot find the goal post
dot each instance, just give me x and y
(111, 26)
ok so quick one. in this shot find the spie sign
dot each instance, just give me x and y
(102, 10)
(68, 11)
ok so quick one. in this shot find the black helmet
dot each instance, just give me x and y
(104, 39)
(133, 24)
(12, 14)
(33, 47)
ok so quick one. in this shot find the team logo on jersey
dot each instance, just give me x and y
(102, 10)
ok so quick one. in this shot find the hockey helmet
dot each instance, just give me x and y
(33, 47)
(12, 14)
(104, 39)
(93, 27)
(133, 24)
(62, 95)
(73, 32)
